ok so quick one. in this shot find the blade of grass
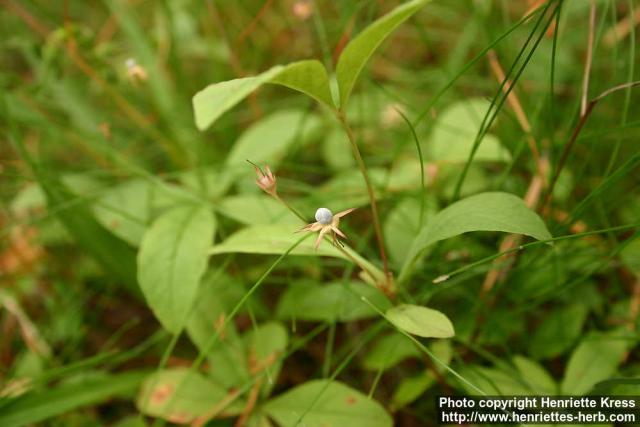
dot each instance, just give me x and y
(490, 258)
(498, 101)
(423, 191)
(627, 94)
(476, 59)
(114, 254)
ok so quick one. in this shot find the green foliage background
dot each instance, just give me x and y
(146, 279)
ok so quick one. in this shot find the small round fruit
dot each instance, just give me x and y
(324, 216)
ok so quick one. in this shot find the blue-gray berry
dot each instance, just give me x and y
(324, 216)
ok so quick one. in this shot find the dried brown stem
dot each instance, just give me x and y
(251, 403)
(28, 329)
(32, 22)
(516, 106)
(234, 60)
(499, 270)
(576, 132)
(249, 28)
(218, 408)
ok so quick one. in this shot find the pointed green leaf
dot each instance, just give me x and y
(180, 396)
(172, 259)
(421, 321)
(359, 50)
(323, 403)
(535, 376)
(595, 359)
(308, 77)
(492, 211)
(558, 331)
(520, 378)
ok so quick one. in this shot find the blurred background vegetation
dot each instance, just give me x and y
(97, 97)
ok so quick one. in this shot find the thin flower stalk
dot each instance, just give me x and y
(372, 197)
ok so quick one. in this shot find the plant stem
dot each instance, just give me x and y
(356, 261)
(574, 136)
(291, 208)
(372, 197)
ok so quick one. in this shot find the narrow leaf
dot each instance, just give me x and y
(112, 253)
(558, 331)
(308, 77)
(322, 403)
(38, 406)
(172, 259)
(523, 377)
(421, 321)
(493, 211)
(359, 50)
(535, 376)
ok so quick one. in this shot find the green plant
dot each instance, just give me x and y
(399, 297)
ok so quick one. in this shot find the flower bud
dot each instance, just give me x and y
(266, 180)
